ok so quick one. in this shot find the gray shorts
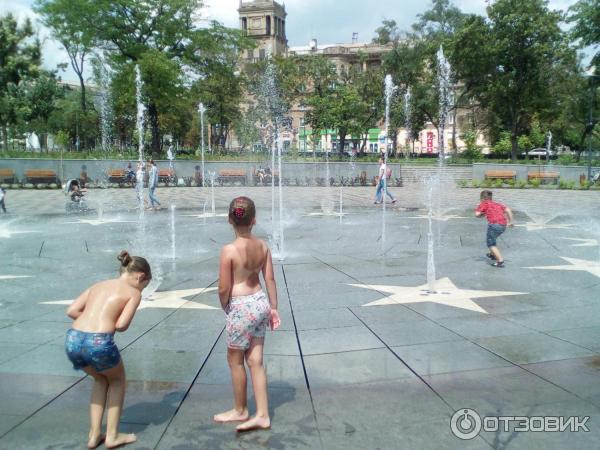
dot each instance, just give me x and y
(493, 231)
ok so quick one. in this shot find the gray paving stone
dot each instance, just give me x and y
(532, 347)
(490, 391)
(363, 395)
(361, 366)
(444, 357)
(337, 340)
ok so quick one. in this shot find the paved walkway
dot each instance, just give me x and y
(366, 357)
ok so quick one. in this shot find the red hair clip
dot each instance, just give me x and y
(239, 212)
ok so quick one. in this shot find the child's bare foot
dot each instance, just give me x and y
(121, 439)
(95, 441)
(232, 415)
(256, 423)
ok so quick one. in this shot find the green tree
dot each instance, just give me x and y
(19, 59)
(509, 62)
(586, 16)
(387, 33)
(133, 31)
(213, 56)
(71, 122)
(78, 41)
(40, 96)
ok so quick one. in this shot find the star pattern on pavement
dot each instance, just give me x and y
(575, 264)
(583, 242)
(446, 294)
(535, 226)
(96, 222)
(440, 217)
(166, 299)
(326, 213)
(205, 215)
(7, 233)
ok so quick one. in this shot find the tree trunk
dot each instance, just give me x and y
(82, 84)
(153, 116)
(454, 146)
(394, 141)
(514, 145)
(5, 137)
(342, 142)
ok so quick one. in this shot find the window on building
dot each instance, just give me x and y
(250, 54)
(268, 32)
(262, 54)
(244, 25)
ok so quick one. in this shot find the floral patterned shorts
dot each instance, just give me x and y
(247, 319)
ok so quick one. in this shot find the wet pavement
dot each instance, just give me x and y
(366, 357)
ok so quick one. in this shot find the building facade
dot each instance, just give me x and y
(265, 21)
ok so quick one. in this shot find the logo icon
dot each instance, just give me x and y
(465, 424)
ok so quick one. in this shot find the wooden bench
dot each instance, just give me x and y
(550, 177)
(7, 175)
(116, 176)
(41, 176)
(362, 179)
(256, 178)
(232, 175)
(501, 175)
(166, 175)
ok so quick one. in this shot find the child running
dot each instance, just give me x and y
(102, 309)
(248, 314)
(496, 214)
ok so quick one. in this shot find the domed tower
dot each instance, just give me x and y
(264, 21)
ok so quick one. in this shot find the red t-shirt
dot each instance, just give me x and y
(494, 212)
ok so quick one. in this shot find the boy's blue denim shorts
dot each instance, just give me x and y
(97, 350)
(493, 231)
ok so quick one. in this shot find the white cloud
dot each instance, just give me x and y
(225, 11)
(52, 52)
(330, 21)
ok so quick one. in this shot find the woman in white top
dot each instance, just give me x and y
(384, 175)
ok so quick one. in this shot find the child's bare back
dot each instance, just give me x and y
(248, 256)
(104, 303)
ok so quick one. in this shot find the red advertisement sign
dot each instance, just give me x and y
(430, 142)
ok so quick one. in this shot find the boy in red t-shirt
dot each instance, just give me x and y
(496, 214)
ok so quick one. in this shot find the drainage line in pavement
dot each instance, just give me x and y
(84, 377)
(384, 343)
(312, 403)
(187, 392)
(402, 361)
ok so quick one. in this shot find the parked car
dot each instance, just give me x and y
(540, 153)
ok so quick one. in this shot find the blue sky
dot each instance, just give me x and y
(329, 21)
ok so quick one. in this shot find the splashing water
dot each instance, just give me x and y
(202, 110)
(407, 121)
(430, 184)
(140, 129)
(105, 105)
(276, 112)
(445, 98)
(390, 89)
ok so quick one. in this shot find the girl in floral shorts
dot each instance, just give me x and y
(248, 311)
